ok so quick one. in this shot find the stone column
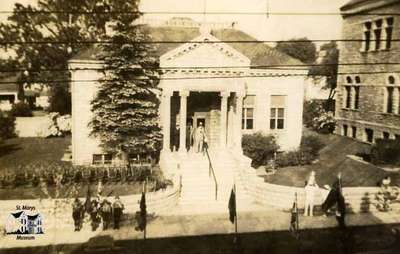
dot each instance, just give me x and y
(183, 116)
(238, 121)
(224, 113)
(166, 111)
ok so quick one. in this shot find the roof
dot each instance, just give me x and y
(351, 3)
(259, 53)
(366, 4)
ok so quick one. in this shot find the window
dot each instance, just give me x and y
(385, 135)
(378, 33)
(392, 97)
(388, 33)
(277, 114)
(97, 159)
(345, 128)
(248, 112)
(367, 36)
(389, 103)
(356, 97)
(348, 96)
(100, 159)
(369, 134)
(354, 132)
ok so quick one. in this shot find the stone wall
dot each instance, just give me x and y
(371, 112)
(58, 212)
(358, 199)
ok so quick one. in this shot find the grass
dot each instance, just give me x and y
(332, 160)
(19, 154)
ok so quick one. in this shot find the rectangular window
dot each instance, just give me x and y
(277, 113)
(356, 97)
(389, 32)
(354, 132)
(389, 102)
(386, 135)
(100, 159)
(248, 112)
(348, 96)
(97, 159)
(369, 134)
(345, 129)
(107, 158)
(377, 34)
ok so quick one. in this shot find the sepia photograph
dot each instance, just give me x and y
(200, 126)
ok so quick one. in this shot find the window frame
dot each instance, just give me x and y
(103, 160)
(245, 109)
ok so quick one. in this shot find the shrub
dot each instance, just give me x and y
(21, 109)
(318, 116)
(325, 123)
(386, 151)
(259, 148)
(305, 155)
(7, 126)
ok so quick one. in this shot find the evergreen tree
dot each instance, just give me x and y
(126, 106)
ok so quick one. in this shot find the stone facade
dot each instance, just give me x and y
(214, 87)
(367, 76)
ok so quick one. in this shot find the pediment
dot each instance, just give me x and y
(204, 51)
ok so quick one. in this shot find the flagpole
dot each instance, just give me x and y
(236, 230)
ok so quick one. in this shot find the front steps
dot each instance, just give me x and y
(198, 187)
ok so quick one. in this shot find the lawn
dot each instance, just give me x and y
(20, 154)
(332, 160)
(17, 152)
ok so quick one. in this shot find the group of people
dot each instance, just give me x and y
(196, 138)
(333, 198)
(99, 211)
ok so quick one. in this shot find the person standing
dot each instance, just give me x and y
(310, 189)
(118, 208)
(77, 208)
(333, 194)
(94, 214)
(106, 212)
(189, 136)
(199, 136)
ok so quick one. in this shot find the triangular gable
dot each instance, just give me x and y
(198, 54)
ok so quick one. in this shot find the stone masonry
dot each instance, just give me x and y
(372, 103)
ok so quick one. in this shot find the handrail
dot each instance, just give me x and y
(211, 170)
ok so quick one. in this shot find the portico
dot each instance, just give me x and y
(218, 106)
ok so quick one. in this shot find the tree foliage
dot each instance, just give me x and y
(302, 49)
(64, 24)
(126, 106)
(328, 67)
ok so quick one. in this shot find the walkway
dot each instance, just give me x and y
(207, 224)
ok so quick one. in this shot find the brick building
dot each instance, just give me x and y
(368, 99)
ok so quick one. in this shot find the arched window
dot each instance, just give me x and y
(392, 96)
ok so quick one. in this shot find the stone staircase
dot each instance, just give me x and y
(198, 186)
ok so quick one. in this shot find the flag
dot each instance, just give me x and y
(143, 212)
(294, 219)
(232, 206)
